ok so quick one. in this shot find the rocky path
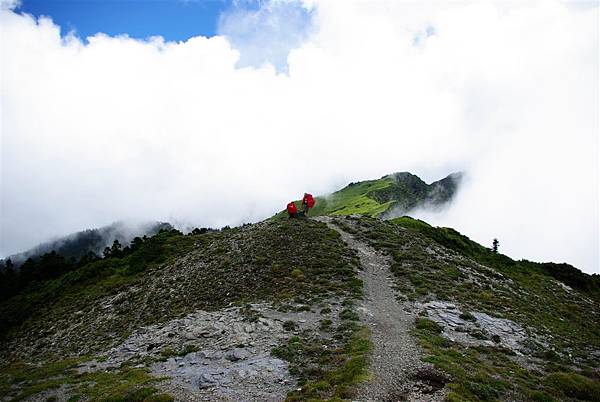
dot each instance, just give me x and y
(397, 372)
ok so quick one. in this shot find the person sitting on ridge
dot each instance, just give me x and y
(292, 210)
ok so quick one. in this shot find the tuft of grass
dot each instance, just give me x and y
(539, 396)
(349, 314)
(297, 274)
(289, 351)
(427, 325)
(467, 316)
(170, 352)
(325, 325)
(575, 386)
(290, 325)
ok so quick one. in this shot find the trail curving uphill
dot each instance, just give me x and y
(397, 372)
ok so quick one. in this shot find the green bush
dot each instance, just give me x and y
(297, 274)
(290, 325)
(539, 396)
(428, 325)
(325, 325)
(348, 314)
(467, 316)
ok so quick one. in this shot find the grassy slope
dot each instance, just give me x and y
(518, 290)
(352, 199)
(403, 191)
(265, 261)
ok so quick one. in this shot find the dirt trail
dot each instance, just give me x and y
(397, 372)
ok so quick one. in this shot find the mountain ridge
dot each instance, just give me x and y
(392, 195)
(306, 309)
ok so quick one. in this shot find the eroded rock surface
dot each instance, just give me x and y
(221, 355)
(476, 328)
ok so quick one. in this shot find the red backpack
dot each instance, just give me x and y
(310, 201)
(291, 208)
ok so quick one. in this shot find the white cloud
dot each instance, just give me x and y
(9, 4)
(121, 128)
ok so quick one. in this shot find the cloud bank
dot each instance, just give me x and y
(106, 128)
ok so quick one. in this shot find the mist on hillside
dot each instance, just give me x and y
(94, 240)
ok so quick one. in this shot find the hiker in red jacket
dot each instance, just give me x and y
(292, 210)
(307, 202)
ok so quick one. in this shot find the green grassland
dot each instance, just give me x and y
(356, 198)
(395, 192)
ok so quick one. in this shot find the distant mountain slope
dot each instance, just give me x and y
(392, 195)
(78, 244)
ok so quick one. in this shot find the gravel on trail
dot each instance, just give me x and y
(396, 369)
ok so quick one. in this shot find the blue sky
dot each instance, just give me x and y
(261, 31)
(172, 19)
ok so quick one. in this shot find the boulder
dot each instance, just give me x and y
(204, 381)
(236, 354)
